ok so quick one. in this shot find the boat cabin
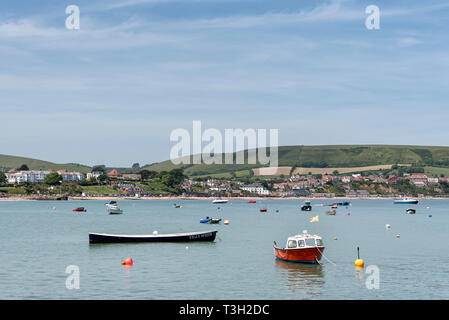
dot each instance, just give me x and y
(303, 241)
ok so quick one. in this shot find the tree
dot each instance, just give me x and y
(2, 178)
(103, 177)
(23, 167)
(335, 172)
(147, 174)
(53, 178)
(28, 188)
(136, 165)
(172, 178)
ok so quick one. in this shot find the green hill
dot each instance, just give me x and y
(13, 162)
(435, 160)
(328, 156)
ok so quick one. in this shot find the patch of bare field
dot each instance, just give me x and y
(272, 171)
(342, 170)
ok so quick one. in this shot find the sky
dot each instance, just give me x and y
(114, 90)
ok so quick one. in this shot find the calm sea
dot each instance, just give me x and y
(39, 239)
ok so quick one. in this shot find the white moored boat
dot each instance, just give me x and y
(219, 200)
(406, 200)
(113, 208)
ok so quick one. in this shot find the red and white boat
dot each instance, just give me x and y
(303, 248)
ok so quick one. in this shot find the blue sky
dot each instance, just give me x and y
(111, 92)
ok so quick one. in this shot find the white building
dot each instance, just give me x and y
(254, 188)
(38, 176)
(33, 176)
(94, 174)
(71, 175)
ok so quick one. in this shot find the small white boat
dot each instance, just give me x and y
(219, 201)
(406, 200)
(113, 208)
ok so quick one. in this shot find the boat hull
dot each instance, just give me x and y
(406, 201)
(175, 237)
(115, 211)
(304, 255)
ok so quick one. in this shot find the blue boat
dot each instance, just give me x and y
(210, 220)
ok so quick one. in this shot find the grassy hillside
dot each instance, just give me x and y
(334, 156)
(434, 159)
(14, 162)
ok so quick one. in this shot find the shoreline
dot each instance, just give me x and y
(106, 198)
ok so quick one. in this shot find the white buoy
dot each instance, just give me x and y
(155, 232)
(387, 226)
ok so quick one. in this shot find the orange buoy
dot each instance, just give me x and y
(128, 262)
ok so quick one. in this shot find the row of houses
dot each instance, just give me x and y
(38, 176)
(310, 181)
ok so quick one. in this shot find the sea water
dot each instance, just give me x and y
(40, 239)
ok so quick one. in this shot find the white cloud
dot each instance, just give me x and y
(90, 36)
(408, 42)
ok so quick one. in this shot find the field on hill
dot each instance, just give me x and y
(327, 158)
(340, 170)
(343, 158)
(272, 171)
(13, 162)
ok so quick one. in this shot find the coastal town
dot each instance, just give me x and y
(45, 184)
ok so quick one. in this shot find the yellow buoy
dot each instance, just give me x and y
(226, 222)
(335, 238)
(359, 263)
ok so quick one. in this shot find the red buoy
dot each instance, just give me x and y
(128, 262)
